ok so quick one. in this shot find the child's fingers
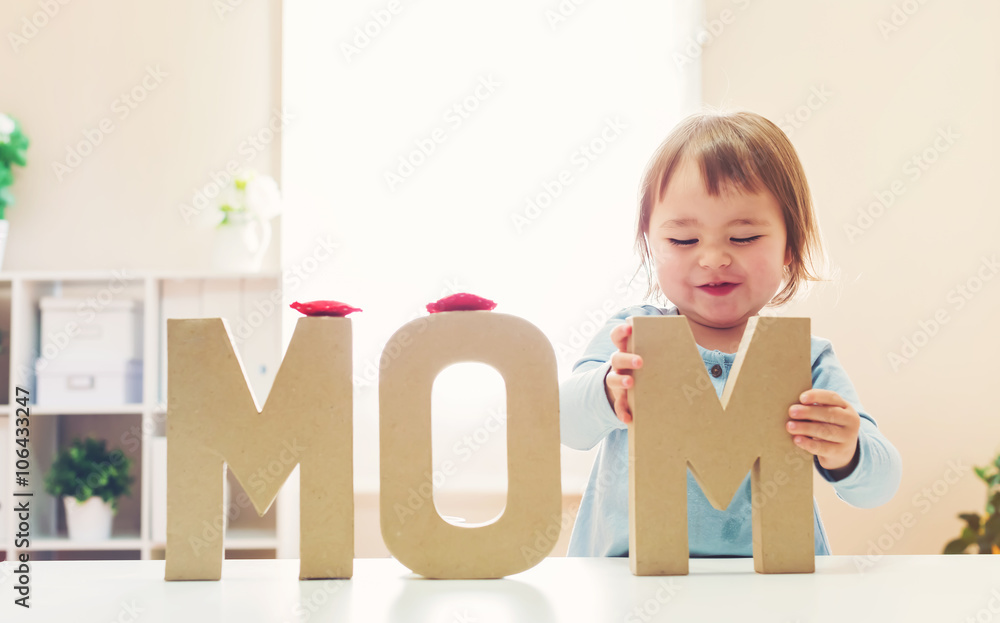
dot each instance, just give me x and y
(622, 410)
(819, 430)
(619, 382)
(619, 379)
(618, 385)
(816, 446)
(619, 336)
(833, 415)
(822, 397)
(623, 362)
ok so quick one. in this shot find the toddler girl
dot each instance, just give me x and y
(725, 220)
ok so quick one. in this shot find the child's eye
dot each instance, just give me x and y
(685, 243)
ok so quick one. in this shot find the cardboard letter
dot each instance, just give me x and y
(529, 526)
(213, 420)
(674, 427)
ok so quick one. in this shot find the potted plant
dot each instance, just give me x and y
(13, 144)
(243, 221)
(89, 479)
(984, 532)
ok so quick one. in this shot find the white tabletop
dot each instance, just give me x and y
(894, 588)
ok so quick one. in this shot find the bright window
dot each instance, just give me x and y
(494, 148)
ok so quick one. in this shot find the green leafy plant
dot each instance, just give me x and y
(982, 531)
(87, 469)
(13, 145)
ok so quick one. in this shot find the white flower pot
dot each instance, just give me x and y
(89, 520)
(4, 227)
(240, 245)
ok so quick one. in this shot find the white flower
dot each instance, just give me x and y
(262, 197)
(7, 127)
(207, 216)
(248, 196)
(232, 197)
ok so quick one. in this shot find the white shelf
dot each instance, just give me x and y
(100, 275)
(65, 544)
(126, 409)
(250, 539)
(241, 539)
(163, 294)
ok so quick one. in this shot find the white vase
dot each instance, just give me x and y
(89, 520)
(4, 227)
(240, 244)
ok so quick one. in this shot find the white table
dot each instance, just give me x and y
(894, 588)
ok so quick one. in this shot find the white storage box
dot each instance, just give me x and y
(74, 328)
(71, 383)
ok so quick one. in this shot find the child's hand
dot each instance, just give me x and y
(619, 378)
(825, 425)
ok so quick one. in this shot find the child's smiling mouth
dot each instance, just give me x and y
(722, 288)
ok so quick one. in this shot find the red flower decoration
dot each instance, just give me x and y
(323, 308)
(463, 301)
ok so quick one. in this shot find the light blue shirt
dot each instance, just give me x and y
(586, 419)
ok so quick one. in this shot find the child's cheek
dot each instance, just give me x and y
(661, 250)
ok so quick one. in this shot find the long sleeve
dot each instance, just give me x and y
(877, 475)
(602, 522)
(585, 416)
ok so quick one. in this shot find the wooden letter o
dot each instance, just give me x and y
(528, 528)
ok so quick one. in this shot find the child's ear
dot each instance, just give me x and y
(788, 255)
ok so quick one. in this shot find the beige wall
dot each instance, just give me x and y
(889, 97)
(215, 80)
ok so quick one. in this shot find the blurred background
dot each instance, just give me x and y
(434, 147)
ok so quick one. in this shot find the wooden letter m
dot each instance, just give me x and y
(213, 420)
(679, 422)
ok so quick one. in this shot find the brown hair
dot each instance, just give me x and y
(737, 152)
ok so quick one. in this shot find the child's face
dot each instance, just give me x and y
(716, 250)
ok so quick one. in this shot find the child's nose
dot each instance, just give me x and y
(714, 257)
